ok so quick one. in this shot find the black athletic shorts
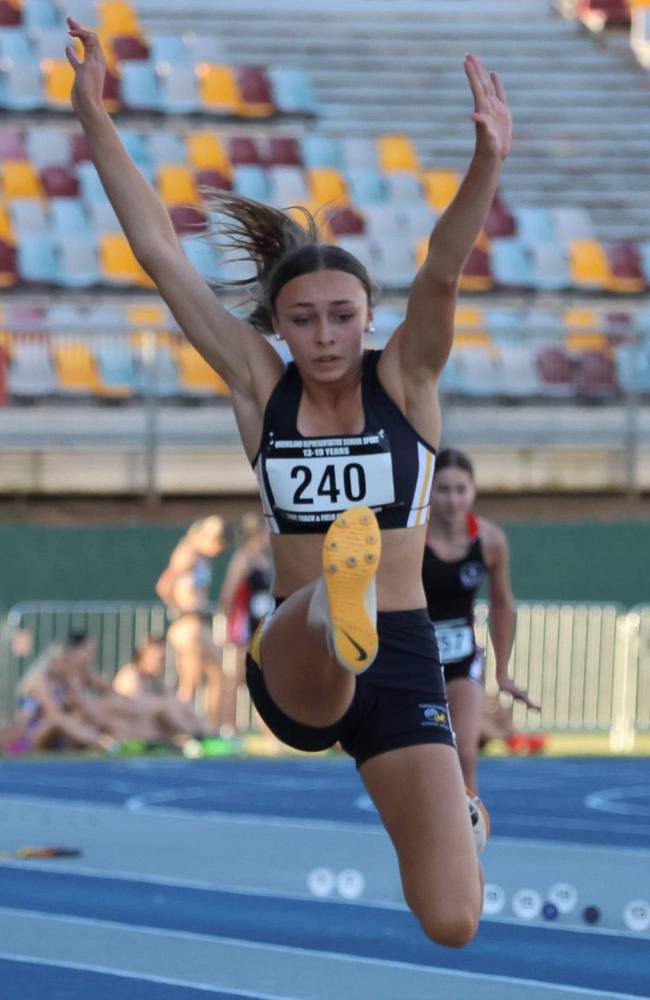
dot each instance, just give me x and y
(399, 701)
(472, 668)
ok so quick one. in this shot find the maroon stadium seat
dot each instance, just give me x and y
(10, 15)
(476, 276)
(555, 367)
(111, 92)
(596, 377)
(79, 148)
(12, 146)
(499, 220)
(8, 269)
(284, 151)
(187, 219)
(130, 47)
(626, 266)
(255, 89)
(346, 222)
(242, 149)
(59, 182)
(207, 178)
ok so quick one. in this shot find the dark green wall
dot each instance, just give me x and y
(550, 561)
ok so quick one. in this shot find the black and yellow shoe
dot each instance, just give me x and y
(480, 818)
(351, 551)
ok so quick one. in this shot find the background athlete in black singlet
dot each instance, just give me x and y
(461, 550)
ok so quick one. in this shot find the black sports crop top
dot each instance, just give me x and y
(305, 482)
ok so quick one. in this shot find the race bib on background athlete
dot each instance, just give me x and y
(455, 640)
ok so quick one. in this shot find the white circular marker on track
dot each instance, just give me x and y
(636, 915)
(350, 883)
(494, 899)
(527, 904)
(564, 895)
(321, 882)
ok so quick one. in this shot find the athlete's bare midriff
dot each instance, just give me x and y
(298, 561)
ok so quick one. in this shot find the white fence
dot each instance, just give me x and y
(587, 664)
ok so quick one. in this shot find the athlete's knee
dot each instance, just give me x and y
(453, 928)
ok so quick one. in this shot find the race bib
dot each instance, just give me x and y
(455, 640)
(315, 479)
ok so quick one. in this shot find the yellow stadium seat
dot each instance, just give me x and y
(205, 151)
(218, 88)
(469, 318)
(176, 185)
(478, 338)
(588, 264)
(6, 343)
(20, 180)
(6, 228)
(327, 186)
(118, 264)
(116, 17)
(75, 367)
(58, 77)
(578, 318)
(195, 374)
(146, 316)
(578, 342)
(397, 152)
(440, 186)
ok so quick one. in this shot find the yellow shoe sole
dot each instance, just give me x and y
(351, 552)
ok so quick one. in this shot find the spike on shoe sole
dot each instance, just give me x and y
(351, 552)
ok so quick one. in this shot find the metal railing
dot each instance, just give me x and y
(587, 664)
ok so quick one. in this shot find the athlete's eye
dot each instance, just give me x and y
(345, 317)
(300, 320)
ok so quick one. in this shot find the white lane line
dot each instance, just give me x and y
(248, 949)
(106, 970)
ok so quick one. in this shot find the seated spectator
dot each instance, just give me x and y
(47, 714)
(142, 682)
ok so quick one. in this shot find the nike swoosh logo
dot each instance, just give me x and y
(360, 650)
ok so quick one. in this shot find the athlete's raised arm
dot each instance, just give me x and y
(244, 359)
(423, 341)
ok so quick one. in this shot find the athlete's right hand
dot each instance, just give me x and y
(89, 73)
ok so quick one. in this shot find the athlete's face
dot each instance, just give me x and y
(210, 543)
(452, 494)
(323, 317)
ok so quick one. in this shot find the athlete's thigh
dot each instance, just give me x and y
(420, 796)
(465, 701)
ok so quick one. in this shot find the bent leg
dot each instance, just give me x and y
(465, 701)
(420, 795)
(325, 633)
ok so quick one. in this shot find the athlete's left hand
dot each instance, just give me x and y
(491, 113)
(509, 687)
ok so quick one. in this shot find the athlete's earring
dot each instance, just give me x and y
(370, 328)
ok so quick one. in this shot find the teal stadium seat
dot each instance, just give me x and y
(251, 181)
(166, 148)
(177, 89)
(115, 364)
(31, 373)
(550, 267)
(40, 14)
(320, 151)
(160, 378)
(137, 148)
(21, 86)
(367, 186)
(90, 186)
(359, 152)
(49, 42)
(139, 86)
(37, 260)
(15, 45)
(170, 49)
(77, 265)
(201, 254)
(287, 186)
(292, 93)
(510, 264)
(47, 146)
(534, 224)
(67, 217)
(28, 217)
